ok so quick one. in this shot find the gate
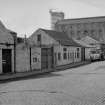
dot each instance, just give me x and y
(46, 58)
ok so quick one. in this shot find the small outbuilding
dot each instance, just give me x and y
(85, 50)
(60, 49)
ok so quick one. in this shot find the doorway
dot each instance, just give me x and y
(83, 54)
(6, 60)
(47, 58)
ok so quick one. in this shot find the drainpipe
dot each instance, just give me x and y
(15, 43)
(14, 57)
(30, 60)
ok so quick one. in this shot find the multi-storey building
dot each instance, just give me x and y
(80, 27)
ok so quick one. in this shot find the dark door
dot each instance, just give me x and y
(6, 60)
(83, 54)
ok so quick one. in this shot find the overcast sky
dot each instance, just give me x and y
(25, 16)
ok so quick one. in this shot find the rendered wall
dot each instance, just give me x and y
(36, 58)
(70, 55)
(22, 59)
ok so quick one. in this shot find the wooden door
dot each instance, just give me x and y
(44, 58)
(50, 58)
(47, 58)
(83, 54)
(6, 60)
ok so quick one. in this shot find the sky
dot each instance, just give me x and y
(26, 16)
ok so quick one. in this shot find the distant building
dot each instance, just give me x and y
(80, 27)
(55, 17)
(90, 41)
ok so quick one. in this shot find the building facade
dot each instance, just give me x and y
(7, 47)
(80, 27)
(28, 58)
(64, 50)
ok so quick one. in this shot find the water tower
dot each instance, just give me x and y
(55, 17)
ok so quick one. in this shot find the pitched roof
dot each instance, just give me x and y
(5, 36)
(61, 37)
(82, 20)
(89, 40)
(83, 44)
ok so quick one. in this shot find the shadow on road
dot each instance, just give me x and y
(34, 76)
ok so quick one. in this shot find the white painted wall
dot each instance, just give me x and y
(45, 39)
(35, 58)
(22, 59)
(70, 50)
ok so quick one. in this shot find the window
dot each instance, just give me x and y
(65, 56)
(68, 56)
(39, 38)
(78, 53)
(59, 56)
(78, 35)
(92, 32)
(64, 49)
(77, 49)
(86, 32)
(34, 59)
(72, 54)
(71, 33)
(75, 54)
(64, 53)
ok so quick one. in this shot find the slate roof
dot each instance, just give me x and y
(61, 37)
(83, 44)
(90, 40)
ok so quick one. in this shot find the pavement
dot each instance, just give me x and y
(72, 65)
(13, 76)
(84, 85)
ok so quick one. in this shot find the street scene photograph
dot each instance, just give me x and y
(52, 52)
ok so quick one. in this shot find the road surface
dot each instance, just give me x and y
(77, 86)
